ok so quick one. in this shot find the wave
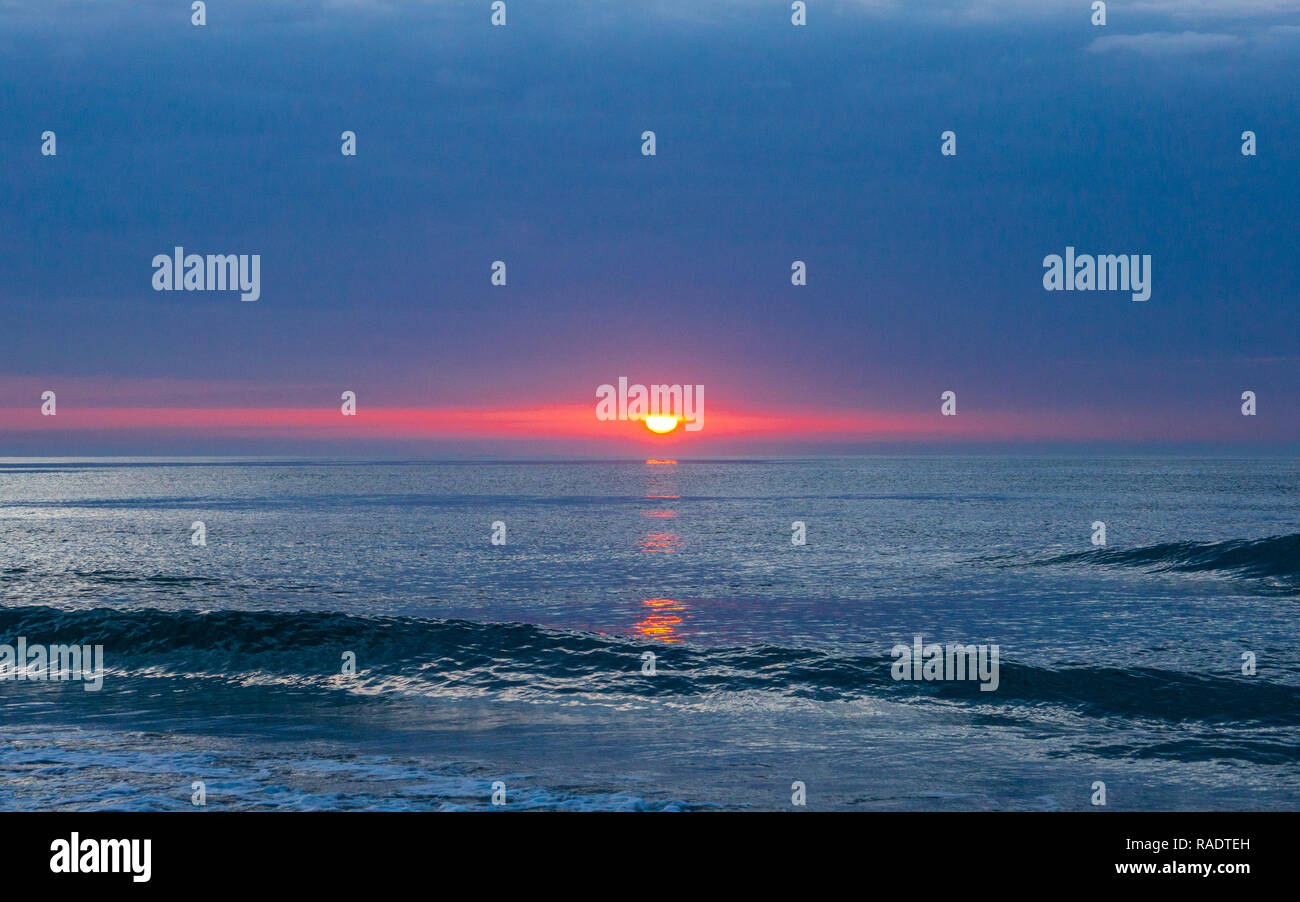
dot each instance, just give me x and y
(1273, 557)
(516, 661)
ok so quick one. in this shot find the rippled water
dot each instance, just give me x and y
(522, 662)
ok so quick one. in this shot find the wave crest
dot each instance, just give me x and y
(524, 662)
(1273, 557)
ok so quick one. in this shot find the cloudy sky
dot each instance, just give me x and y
(775, 143)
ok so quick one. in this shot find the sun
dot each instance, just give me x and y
(661, 423)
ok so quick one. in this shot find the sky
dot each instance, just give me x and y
(774, 143)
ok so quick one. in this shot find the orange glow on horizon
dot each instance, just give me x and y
(576, 422)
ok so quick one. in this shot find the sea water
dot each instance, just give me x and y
(1164, 664)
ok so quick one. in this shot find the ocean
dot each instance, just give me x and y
(519, 669)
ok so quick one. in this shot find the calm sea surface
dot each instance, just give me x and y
(522, 663)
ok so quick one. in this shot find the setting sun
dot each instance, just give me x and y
(661, 423)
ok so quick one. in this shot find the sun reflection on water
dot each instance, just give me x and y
(661, 622)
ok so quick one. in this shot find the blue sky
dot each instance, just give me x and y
(775, 143)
